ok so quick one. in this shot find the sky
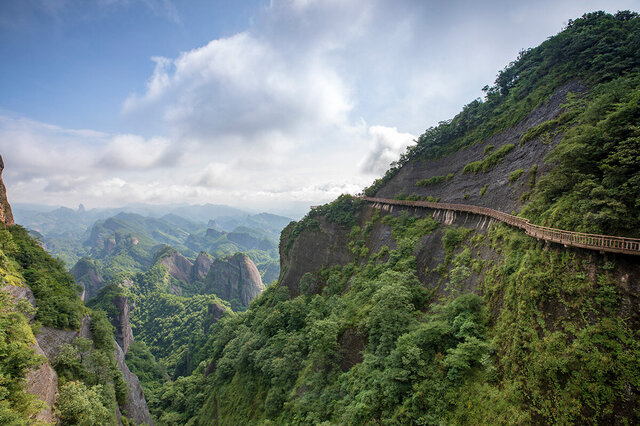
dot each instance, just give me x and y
(264, 105)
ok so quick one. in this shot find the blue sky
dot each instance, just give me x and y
(264, 105)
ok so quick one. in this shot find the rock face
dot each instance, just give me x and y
(234, 277)
(215, 311)
(179, 266)
(6, 216)
(51, 339)
(43, 382)
(311, 251)
(499, 193)
(201, 267)
(123, 333)
(86, 273)
(135, 406)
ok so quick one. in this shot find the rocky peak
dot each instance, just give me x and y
(123, 333)
(6, 216)
(179, 266)
(201, 266)
(234, 277)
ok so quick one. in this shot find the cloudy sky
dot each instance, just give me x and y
(266, 105)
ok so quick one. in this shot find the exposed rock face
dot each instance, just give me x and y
(123, 333)
(135, 405)
(234, 277)
(86, 273)
(500, 193)
(179, 266)
(43, 382)
(215, 311)
(51, 339)
(311, 251)
(201, 267)
(6, 216)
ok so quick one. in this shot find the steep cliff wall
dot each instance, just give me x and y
(6, 216)
(234, 277)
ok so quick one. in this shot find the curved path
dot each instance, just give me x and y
(568, 238)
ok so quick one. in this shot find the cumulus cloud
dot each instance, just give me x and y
(386, 146)
(240, 86)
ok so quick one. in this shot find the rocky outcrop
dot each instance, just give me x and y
(87, 275)
(135, 406)
(215, 311)
(43, 383)
(122, 333)
(234, 277)
(6, 216)
(179, 266)
(499, 192)
(51, 339)
(201, 267)
(311, 251)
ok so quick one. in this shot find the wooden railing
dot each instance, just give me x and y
(607, 243)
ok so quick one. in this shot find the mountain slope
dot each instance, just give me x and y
(410, 316)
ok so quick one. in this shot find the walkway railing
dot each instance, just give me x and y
(607, 243)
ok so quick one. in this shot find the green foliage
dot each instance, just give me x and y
(16, 357)
(56, 293)
(341, 211)
(561, 335)
(143, 364)
(489, 162)
(515, 175)
(434, 180)
(452, 238)
(81, 405)
(488, 149)
(539, 130)
(483, 190)
(594, 185)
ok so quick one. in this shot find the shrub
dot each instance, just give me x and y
(515, 175)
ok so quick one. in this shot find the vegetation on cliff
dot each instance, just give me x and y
(501, 326)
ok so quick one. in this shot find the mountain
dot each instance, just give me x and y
(393, 314)
(130, 243)
(235, 279)
(60, 362)
(64, 231)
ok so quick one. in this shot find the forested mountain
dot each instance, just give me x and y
(129, 243)
(59, 361)
(72, 234)
(378, 314)
(397, 316)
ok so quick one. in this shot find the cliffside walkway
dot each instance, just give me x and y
(603, 243)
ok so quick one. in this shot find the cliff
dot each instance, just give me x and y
(179, 266)
(234, 278)
(6, 216)
(86, 273)
(121, 322)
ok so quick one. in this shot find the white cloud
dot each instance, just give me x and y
(242, 87)
(134, 152)
(386, 146)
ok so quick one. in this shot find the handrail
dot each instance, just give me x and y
(607, 243)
